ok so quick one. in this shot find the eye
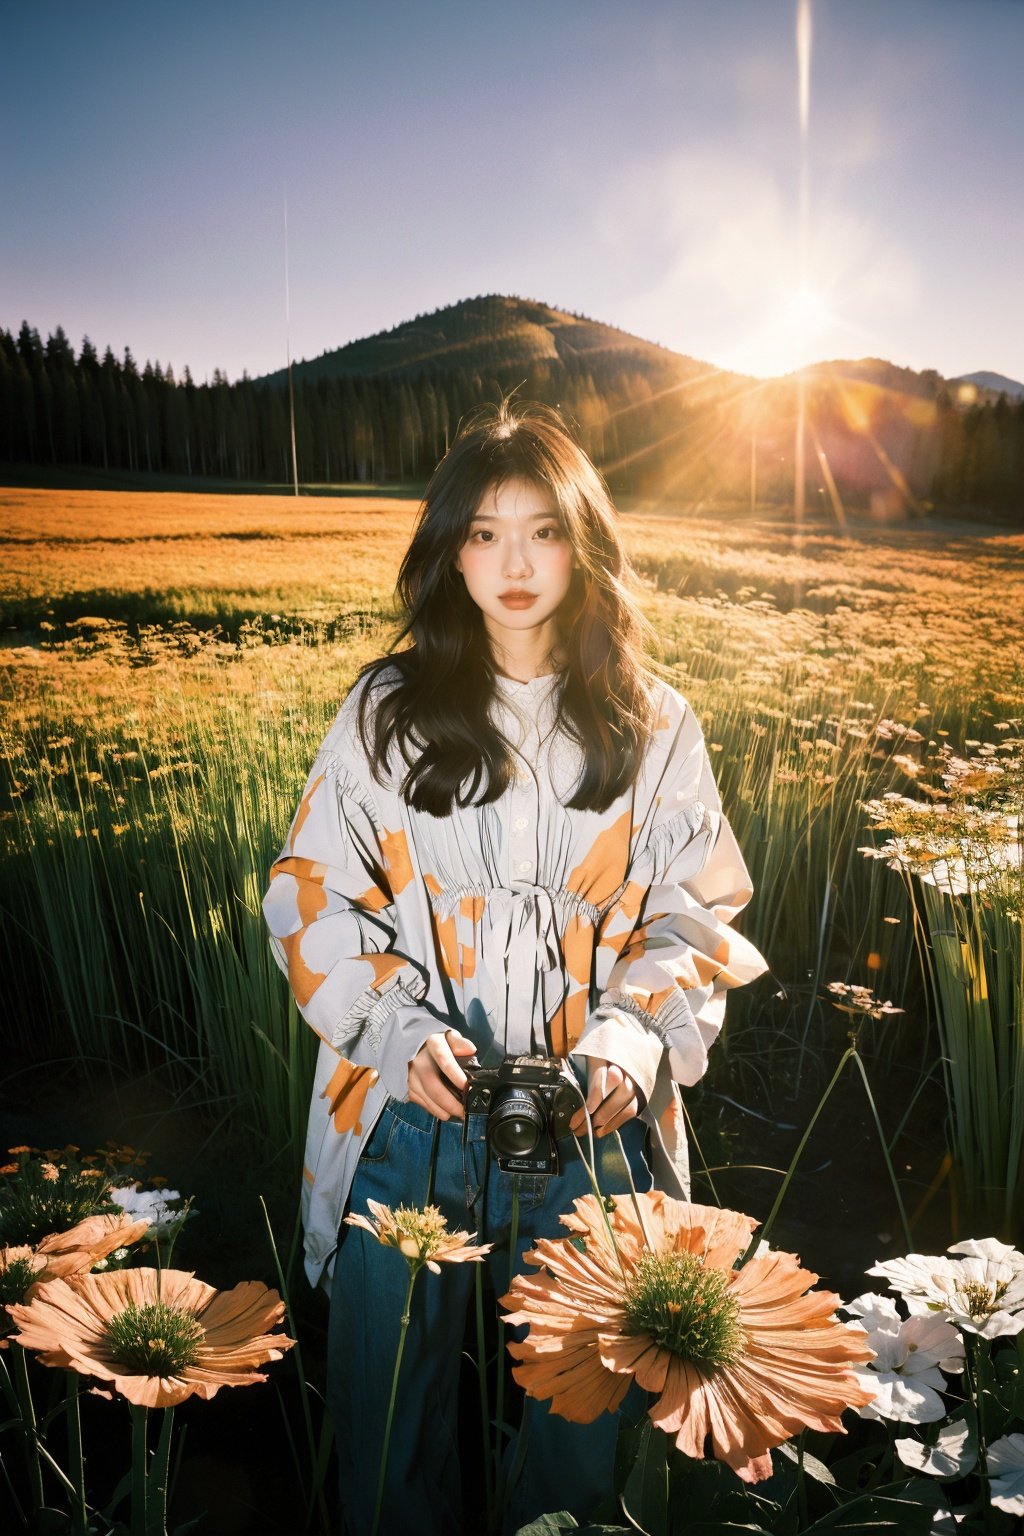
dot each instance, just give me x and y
(481, 536)
(550, 532)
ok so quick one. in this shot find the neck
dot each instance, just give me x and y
(525, 655)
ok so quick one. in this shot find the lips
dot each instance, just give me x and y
(517, 598)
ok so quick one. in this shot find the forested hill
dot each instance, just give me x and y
(384, 409)
(493, 333)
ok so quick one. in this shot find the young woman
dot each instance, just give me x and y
(510, 843)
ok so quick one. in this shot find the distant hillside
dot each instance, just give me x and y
(998, 383)
(881, 374)
(492, 332)
(659, 424)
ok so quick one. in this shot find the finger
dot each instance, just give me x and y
(427, 1084)
(435, 1097)
(459, 1043)
(627, 1113)
(446, 1063)
(442, 1090)
(417, 1096)
(601, 1083)
(612, 1104)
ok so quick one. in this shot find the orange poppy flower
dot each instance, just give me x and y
(61, 1255)
(156, 1336)
(75, 1251)
(740, 1359)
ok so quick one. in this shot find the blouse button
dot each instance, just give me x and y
(525, 866)
(521, 822)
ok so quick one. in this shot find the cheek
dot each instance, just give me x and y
(468, 562)
(560, 563)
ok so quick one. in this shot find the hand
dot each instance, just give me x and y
(436, 1080)
(612, 1099)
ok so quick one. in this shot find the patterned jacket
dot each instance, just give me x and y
(523, 924)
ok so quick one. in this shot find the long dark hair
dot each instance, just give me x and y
(437, 709)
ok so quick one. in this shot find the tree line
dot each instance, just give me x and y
(646, 431)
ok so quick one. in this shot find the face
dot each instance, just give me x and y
(517, 561)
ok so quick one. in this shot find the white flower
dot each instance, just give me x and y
(953, 1455)
(983, 1292)
(152, 1205)
(1006, 1470)
(910, 1356)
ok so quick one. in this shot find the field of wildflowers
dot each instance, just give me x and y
(169, 667)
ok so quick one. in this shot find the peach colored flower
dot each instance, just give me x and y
(156, 1336)
(61, 1255)
(50, 1172)
(75, 1251)
(741, 1358)
(20, 1267)
(421, 1236)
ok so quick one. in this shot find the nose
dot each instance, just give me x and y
(517, 557)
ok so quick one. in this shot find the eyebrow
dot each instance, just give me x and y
(535, 517)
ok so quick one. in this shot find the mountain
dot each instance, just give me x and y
(493, 331)
(656, 421)
(883, 375)
(997, 383)
(385, 409)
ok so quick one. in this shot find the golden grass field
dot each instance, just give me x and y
(912, 614)
(170, 664)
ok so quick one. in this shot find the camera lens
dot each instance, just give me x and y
(515, 1124)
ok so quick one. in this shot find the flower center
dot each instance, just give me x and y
(156, 1340)
(15, 1279)
(979, 1300)
(418, 1233)
(685, 1308)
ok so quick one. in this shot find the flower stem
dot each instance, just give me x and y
(590, 1165)
(27, 1412)
(138, 1475)
(76, 1463)
(414, 1270)
(885, 1151)
(637, 1210)
(762, 1236)
(156, 1502)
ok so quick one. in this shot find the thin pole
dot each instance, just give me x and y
(288, 348)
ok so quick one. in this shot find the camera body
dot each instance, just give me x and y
(529, 1102)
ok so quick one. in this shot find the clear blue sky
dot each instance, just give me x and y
(637, 162)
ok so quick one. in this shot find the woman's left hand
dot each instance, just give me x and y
(612, 1099)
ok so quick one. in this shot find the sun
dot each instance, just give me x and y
(796, 329)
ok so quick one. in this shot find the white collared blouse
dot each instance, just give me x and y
(526, 925)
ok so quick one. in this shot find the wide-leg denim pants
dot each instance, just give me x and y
(565, 1466)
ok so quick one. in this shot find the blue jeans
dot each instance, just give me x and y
(566, 1466)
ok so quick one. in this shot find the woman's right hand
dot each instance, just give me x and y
(436, 1081)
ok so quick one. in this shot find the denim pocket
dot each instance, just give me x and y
(378, 1142)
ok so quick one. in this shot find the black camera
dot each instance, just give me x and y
(528, 1101)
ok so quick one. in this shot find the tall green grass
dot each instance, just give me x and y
(963, 858)
(151, 777)
(137, 864)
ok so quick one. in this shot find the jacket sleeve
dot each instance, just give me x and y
(331, 913)
(677, 953)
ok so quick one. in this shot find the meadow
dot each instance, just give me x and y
(171, 662)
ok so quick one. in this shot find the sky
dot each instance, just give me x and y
(642, 164)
